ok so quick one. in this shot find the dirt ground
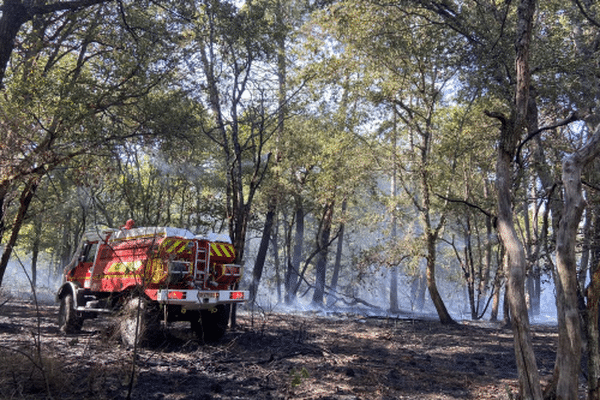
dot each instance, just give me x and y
(268, 356)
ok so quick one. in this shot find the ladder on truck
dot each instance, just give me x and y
(202, 263)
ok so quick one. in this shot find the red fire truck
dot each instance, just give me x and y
(151, 274)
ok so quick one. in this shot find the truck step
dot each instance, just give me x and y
(90, 309)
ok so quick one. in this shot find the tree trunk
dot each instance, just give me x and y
(14, 15)
(35, 248)
(511, 132)
(569, 329)
(275, 252)
(24, 202)
(528, 372)
(262, 252)
(323, 246)
(529, 284)
(418, 290)
(568, 354)
(498, 284)
(592, 317)
(431, 236)
(394, 307)
(440, 307)
(337, 266)
(293, 270)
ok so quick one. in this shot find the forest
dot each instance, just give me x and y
(404, 156)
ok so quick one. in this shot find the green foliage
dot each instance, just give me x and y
(298, 376)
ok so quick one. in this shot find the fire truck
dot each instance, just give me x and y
(151, 274)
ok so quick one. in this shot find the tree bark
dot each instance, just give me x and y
(569, 337)
(592, 319)
(14, 15)
(337, 265)
(323, 246)
(26, 196)
(394, 306)
(510, 134)
(440, 307)
(431, 236)
(262, 252)
(569, 328)
(293, 270)
(529, 379)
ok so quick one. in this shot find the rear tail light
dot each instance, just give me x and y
(236, 296)
(177, 295)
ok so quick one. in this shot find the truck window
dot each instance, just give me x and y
(89, 252)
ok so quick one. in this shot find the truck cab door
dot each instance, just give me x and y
(82, 272)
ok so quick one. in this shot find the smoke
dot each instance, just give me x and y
(371, 297)
(17, 281)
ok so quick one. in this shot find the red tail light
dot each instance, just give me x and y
(236, 296)
(177, 295)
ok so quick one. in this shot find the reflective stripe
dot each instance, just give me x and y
(221, 249)
(174, 246)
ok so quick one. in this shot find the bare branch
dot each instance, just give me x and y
(571, 118)
(488, 214)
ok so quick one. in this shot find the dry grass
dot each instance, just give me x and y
(24, 373)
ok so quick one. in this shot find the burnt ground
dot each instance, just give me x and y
(268, 356)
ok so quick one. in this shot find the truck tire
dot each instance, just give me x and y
(210, 326)
(138, 327)
(68, 320)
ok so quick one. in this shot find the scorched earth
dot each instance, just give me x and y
(269, 355)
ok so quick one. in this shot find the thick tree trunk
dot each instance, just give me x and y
(529, 378)
(569, 336)
(14, 15)
(569, 341)
(592, 319)
(511, 132)
(440, 307)
(394, 306)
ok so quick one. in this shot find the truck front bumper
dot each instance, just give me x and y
(200, 299)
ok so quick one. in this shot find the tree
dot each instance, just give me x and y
(569, 349)
(16, 13)
(409, 71)
(510, 133)
(228, 45)
(64, 93)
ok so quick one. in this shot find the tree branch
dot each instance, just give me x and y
(487, 213)
(571, 118)
(585, 14)
(64, 6)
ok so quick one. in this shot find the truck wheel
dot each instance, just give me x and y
(68, 320)
(211, 324)
(137, 323)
